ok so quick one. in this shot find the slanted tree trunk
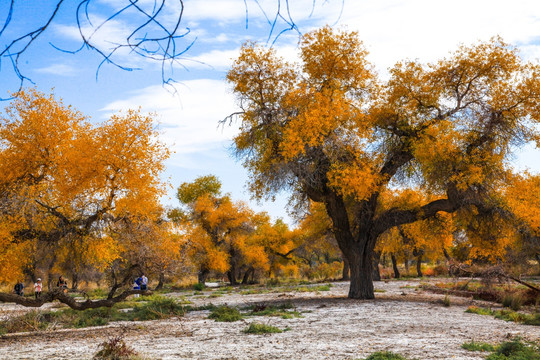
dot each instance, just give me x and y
(394, 266)
(346, 270)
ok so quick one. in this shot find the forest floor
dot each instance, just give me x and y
(402, 319)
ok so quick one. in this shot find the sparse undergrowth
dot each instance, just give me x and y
(385, 355)
(285, 310)
(116, 349)
(478, 346)
(144, 308)
(258, 328)
(508, 315)
(515, 349)
(225, 313)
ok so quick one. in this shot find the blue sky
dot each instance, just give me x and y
(391, 30)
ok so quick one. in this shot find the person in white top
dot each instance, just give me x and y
(37, 288)
(144, 283)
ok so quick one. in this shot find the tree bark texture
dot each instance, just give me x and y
(394, 266)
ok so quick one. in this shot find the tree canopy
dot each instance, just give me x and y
(66, 184)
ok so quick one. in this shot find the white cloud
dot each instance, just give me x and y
(189, 119)
(428, 30)
(58, 69)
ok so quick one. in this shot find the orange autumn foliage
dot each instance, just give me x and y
(63, 178)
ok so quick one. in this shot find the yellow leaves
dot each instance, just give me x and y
(63, 175)
(353, 181)
(335, 59)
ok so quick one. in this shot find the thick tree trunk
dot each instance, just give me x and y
(394, 266)
(361, 267)
(419, 265)
(232, 276)
(161, 280)
(202, 275)
(346, 270)
(247, 275)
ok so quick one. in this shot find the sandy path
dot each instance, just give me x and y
(402, 320)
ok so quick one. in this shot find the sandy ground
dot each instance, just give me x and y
(412, 323)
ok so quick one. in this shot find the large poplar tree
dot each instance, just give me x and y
(327, 129)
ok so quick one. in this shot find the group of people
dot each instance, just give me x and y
(141, 283)
(38, 287)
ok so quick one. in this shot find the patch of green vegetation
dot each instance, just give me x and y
(478, 346)
(155, 308)
(325, 287)
(225, 313)
(284, 311)
(254, 291)
(380, 291)
(507, 315)
(199, 287)
(215, 295)
(385, 355)
(446, 301)
(98, 293)
(258, 328)
(516, 350)
(512, 301)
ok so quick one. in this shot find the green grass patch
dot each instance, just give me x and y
(507, 315)
(225, 313)
(199, 287)
(385, 355)
(285, 311)
(516, 350)
(258, 328)
(325, 287)
(155, 308)
(478, 346)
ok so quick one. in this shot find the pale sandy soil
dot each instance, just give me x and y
(412, 323)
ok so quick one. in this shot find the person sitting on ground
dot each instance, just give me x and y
(136, 286)
(37, 288)
(19, 288)
(62, 284)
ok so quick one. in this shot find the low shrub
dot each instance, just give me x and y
(258, 328)
(225, 313)
(512, 301)
(199, 287)
(516, 350)
(115, 349)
